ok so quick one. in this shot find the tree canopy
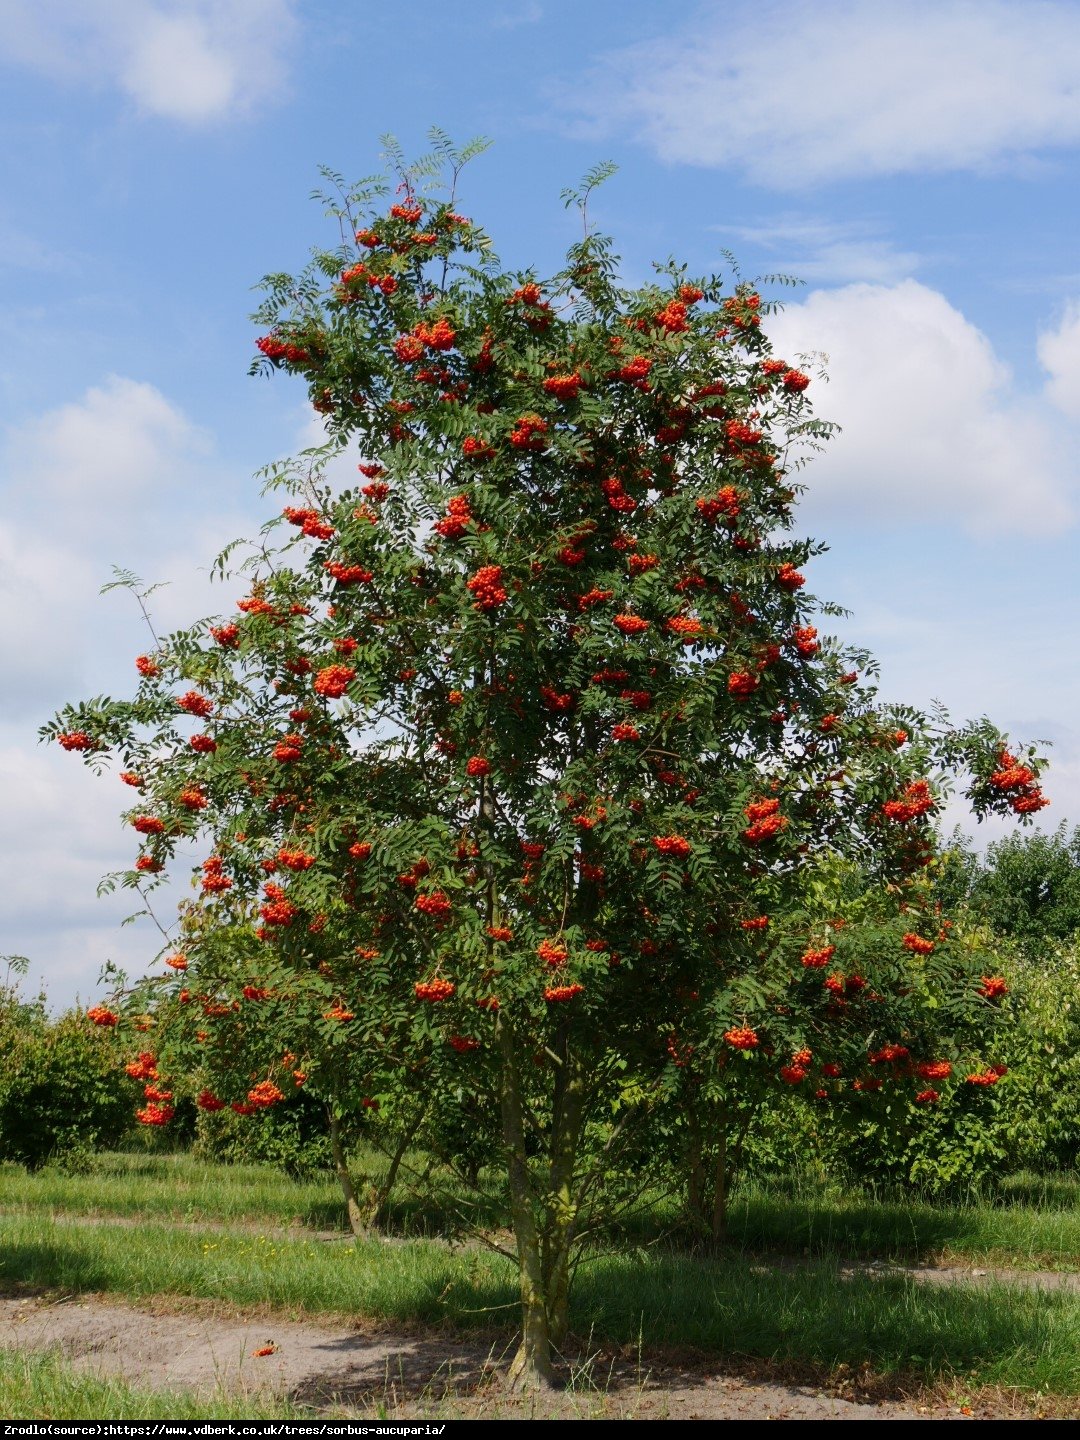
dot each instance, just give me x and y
(516, 762)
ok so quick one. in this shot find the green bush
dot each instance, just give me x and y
(1039, 1100)
(293, 1136)
(1028, 888)
(977, 1136)
(63, 1089)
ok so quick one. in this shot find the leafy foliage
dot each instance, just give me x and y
(292, 1136)
(1026, 1120)
(62, 1084)
(518, 762)
(1029, 887)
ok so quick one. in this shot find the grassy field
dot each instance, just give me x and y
(1031, 1225)
(994, 1335)
(751, 1300)
(176, 1187)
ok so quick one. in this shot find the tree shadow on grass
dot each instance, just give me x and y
(870, 1228)
(728, 1306)
(762, 1223)
(818, 1313)
(400, 1285)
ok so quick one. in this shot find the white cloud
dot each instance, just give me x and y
(101, 459)
(94, 482)
(64, 834)
(814, 249)
(118, 477)
(175, 69)
(1059, 355)
(932, 429)
(1061, 782)
(41, 584)
(800, 92)
(510, 17)
(186, 60)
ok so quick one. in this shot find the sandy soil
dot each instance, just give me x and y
(205, 1347)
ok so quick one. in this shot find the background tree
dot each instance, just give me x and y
(63, 1090)
(1028, 887)
(518, 745)
(890, 1045)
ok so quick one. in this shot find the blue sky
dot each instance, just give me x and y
(916, 164)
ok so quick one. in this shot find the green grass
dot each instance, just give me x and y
(1031, 1224)
(176, 1187)
(1019, 1236)
(413, 1280)
(731, 1304)
(1060, 1192)
(999, 1335)
(45, 1387)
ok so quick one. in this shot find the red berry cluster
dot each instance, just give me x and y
(915, 801)
(766, 821)
(434, 990)
(1018, 783)
(486, 585)
(334, 680)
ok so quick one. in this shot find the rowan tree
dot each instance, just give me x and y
(517, 746)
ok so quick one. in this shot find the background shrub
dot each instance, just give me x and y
(62, 1083)
(292, 1135)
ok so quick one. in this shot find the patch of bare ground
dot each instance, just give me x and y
(369, 1370)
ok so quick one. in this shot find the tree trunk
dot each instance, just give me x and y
(562, 1201)
(718, 1228)
(384, 1191)
(707, 1190)
(531, 1367)
(695, 1173)
(359, 1224)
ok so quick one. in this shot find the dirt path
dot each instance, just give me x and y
(208, 1348)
